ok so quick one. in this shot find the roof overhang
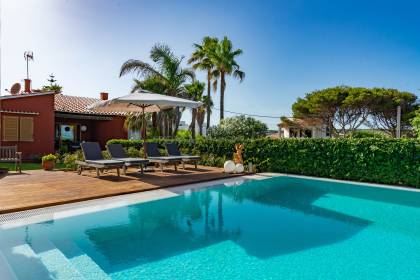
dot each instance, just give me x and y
(82, 116)
(4, 97)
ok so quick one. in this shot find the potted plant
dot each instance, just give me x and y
(48, 162)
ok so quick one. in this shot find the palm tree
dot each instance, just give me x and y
(201, 112)
(201, 59)
(135, 122)
(195, 92)
(224, 62)
(167, 73)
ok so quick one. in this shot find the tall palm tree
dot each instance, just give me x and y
(201, 59)
(195, 92)
(167, 72)
(201, 112)
(224, 60)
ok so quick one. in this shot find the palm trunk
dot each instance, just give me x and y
(208, 95)
(193, 120)
(222, 95)
(154, 124)
(177, 120)
(143, 125)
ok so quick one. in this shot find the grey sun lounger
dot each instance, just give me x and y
(117, 152)
(153, 155)
(94, 159)
(172, 149)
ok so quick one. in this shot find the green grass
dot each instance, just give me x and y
(28, 166)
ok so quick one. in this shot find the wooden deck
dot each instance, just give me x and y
(38, 188)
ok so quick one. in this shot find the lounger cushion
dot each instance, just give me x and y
(106, 162)
(151, 149)
(188, 157)
(91, 151)
(132, 161)
(116, 151)
(172, 149)
(164, 159)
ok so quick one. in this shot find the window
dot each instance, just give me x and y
(26, 129)
(10, 128)
(18, 128)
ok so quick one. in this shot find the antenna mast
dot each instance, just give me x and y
(28, 55)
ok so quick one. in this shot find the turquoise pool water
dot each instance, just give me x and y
(279, 228)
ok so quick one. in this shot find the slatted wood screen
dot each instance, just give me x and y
(10, 128)
(26, 129)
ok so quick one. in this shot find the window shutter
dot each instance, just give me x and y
(10, 128)
(26, 129)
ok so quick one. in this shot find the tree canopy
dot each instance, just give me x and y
(416, 123)
(344, 109)
(238, 127)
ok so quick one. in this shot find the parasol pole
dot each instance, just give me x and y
(143, 127)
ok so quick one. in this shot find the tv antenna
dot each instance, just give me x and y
(28, 55)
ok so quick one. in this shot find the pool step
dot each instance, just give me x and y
(24, 262)
(55, 262)
(6, 271)
(87, 267)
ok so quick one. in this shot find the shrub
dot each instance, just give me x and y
(49, 157)
(133, 152)
(238, 127)
(379, 160)
(415, 122)
(366, 134)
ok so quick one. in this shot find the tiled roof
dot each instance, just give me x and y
(78, 105)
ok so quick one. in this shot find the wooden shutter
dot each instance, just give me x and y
(10, 128)
(26, 129)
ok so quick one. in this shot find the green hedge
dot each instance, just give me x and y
(388, 161)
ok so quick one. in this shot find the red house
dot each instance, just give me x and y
(47, 122)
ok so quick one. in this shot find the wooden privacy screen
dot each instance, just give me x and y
(26, 129)
(18, 128)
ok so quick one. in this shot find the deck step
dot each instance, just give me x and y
(87, 267)
(6, 271)
(55, 261)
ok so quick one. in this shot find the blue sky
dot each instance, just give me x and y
(290, 47)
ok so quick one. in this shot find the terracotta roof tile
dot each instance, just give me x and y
(78, 105)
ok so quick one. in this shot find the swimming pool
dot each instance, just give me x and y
(277, 228)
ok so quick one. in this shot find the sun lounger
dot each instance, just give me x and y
(94, 159)
(172, 149)
(117, 153)
(153, 155)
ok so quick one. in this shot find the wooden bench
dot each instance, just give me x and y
(10, 154)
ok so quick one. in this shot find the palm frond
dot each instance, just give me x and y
(238, 74)
(138, 67)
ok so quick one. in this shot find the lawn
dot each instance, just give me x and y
(28, 166)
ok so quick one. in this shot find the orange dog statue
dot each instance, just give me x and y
(237, 156)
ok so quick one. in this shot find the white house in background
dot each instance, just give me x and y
(302, 128)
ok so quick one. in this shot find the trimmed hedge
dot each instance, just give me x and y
(388, 161)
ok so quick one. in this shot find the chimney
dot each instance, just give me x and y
(27, 85)
(103, 95)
